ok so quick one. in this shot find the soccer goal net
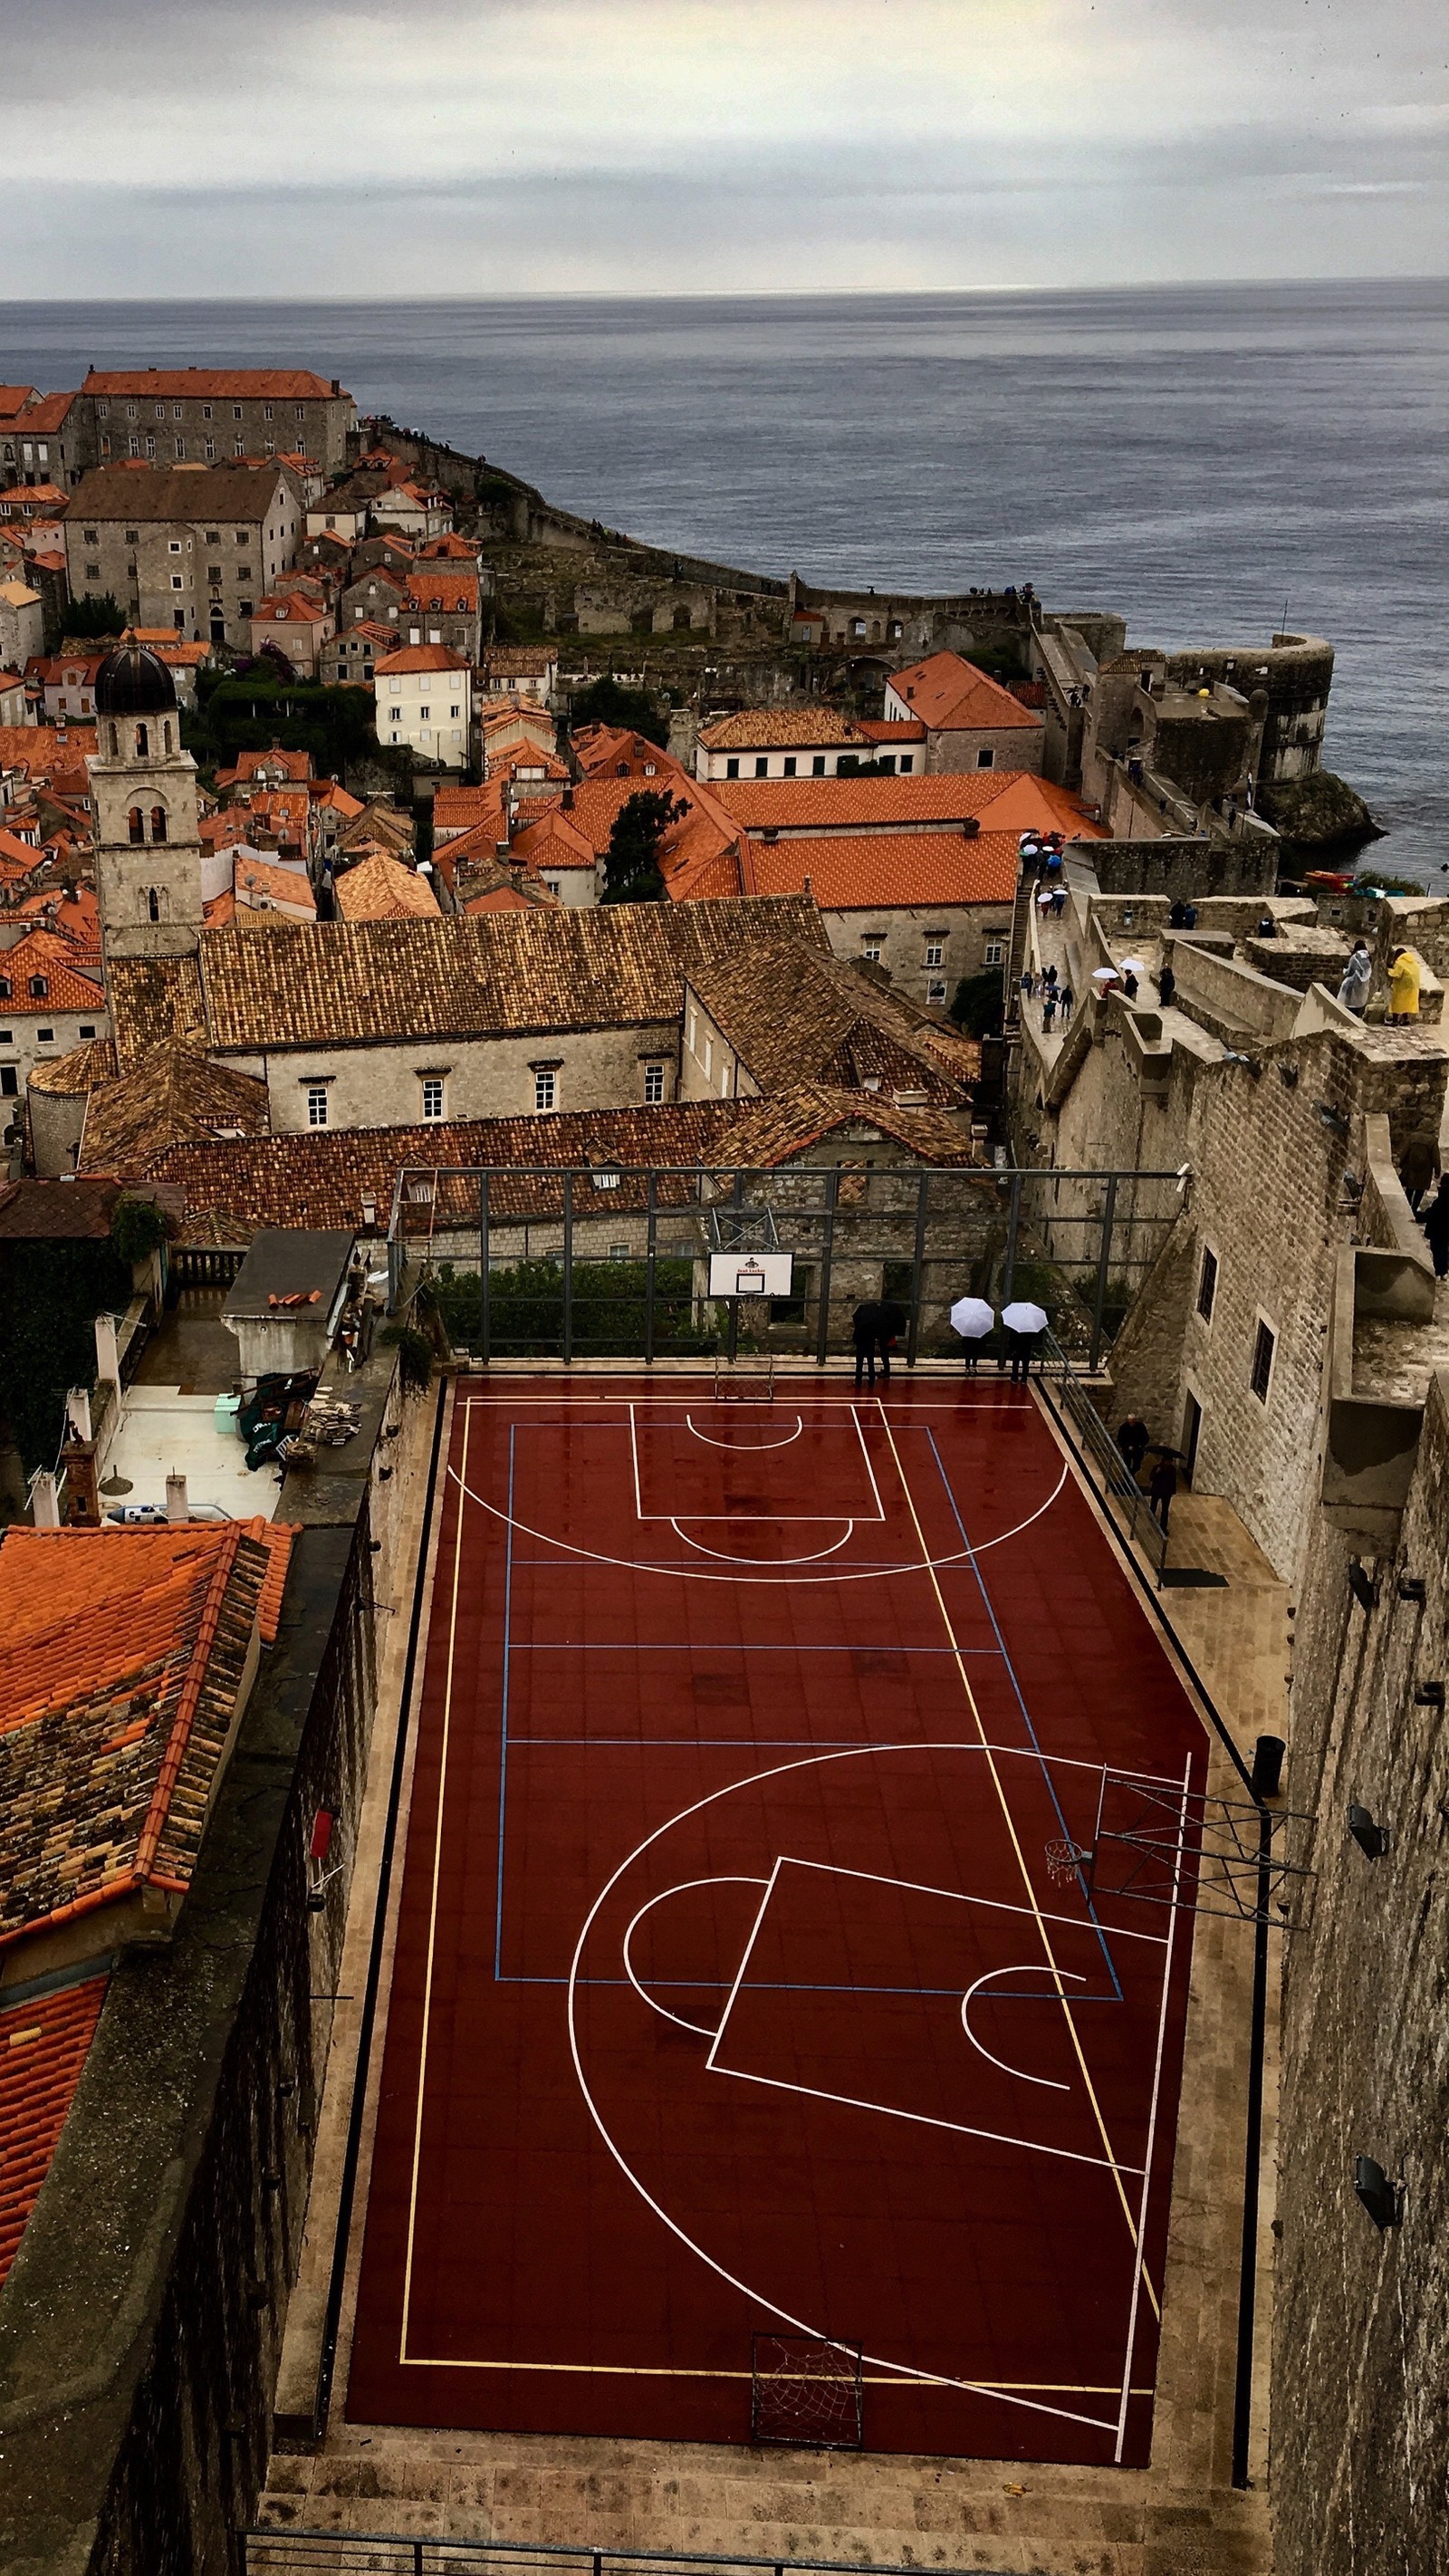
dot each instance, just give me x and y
(806, 2390)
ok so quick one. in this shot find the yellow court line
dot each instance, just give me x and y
(433, 1904)
(929, 1568)
(869, 2378)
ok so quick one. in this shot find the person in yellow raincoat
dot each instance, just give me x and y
(1403, 985)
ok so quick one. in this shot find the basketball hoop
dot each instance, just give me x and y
(1065, 1861)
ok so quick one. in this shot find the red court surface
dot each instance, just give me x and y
(732, 1991)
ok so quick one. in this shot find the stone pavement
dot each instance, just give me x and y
(1180, 2517)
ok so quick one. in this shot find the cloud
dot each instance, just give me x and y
(463, 146)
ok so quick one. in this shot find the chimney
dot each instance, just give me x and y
(566, 801)
(108, 1366)
(44, 1500)
(78, 1412)
(177, 1507)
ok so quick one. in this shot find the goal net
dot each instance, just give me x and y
(806, 2390)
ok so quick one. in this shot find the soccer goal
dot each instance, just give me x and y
(745, 1380)
(806, 2391)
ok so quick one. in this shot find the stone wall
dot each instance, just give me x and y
(485, 1077)
(1185, 868)
(1361, 2352)
(140, 2322)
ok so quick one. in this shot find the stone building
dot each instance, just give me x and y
(203, 415)
(971, 721)
(48, 1008)
(424, 700)
(190, 548)
(144, 790)
(760, 1022)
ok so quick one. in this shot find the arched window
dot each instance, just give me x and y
(153, 904)
(136, 823)
(115, 744)
(158, 822)
(166, 737)
(143, 742)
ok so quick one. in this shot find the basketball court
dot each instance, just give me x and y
(770, 2053)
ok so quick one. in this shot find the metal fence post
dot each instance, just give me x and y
(913, 1329)
(737, 1201)
(827, 1255)
(1104, 1254)
(1013, 1223)
(484, 1259)
(651, 1247)
(568, 1267)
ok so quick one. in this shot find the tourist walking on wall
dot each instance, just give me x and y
(1436, 1227)
(1403, 986)
(1065, 999)
(1166, 987)
(1420, 1166)
(1358, 975)
(1049, 1008)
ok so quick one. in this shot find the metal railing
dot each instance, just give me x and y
(339, 2553)
(1070, 1399)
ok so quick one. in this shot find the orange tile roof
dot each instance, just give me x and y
(121, 1655)
(523, 760)
(49, 414)
(450, 549)
(1021, 802)
(254, 879)
(603, 750)
(423, 657)
(447, 591)
(40, 749)
(221, 911)
(13, 400)
(779, 729)
(875, 871)
(290, 608)
(554, 841)
(382, 889)
(43, 2048)
(889, 729)
(952, 696)
(234, 384)
(44, 959)
(295, 765)
(457, 809)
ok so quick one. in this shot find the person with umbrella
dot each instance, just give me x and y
(1023, 1324)
(973, 1319)
(1162, 1483)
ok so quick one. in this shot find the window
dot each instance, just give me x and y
(732, 769)
(243, 572)
(93, 572)
(425, 715)
(135, 445)
(236, 411)
(266, 411)
(9, 1081)
(986, 760)
(130, 411)
(455, 712)
(211, 451)
(244, 608)
(160, 411)
(301, 411)
(432, 1095)
(871, 945)
(618, 1252)
(1207, 1283)
(1264, 1346)
(316, 1104)
(545, 1089)
(206, 411)
(158, 822)
(787, 766)
(908, 762)
(133, 536)
(103, 411)
(136, 824)
(46, 1036)
(153, 904)
(238, 447)
(178, 581)
(180, 446)
(653, 1084)
(935, 948)
(87, 1028)
(174, 548)
(762, 765)
(38, 988)
(150, 446)
(213, 575)
(91, 537)
(708, 1057)
(6, 993)
(993, 952)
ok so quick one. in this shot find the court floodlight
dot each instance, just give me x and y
(1383, 2199)
(1372, 1839)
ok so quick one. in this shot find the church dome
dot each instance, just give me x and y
(132, 681)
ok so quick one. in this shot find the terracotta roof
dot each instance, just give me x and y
(82, 1070)
(852, 871)
(554, 841)
(885, 730)
(42, 749)
(173, 1096)
(305, 1179)
(233, 384)
(856, 804)
(779, 729)
(295, 765)
(330, 798)
(422, 657)
(56, 1212)
(793, 1014)
(19, 858)
(259, 887)
(450, 548)
(342, 983)
(446, 591)
(153, 998)
(520, 661)
(486, 885)
(48, 415)
(14, 399)
(221, 910)
(457, 809)
(189, 495)
(601, 749)
(383, 889)
(121, 1655)
(48, 498)
(42, 958)
(523, 758)
(952, 696)
(290, 608)
(43, 2049)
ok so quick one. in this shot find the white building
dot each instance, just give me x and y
(423, 697)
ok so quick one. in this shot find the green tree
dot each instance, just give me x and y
(605, 703)
(977, 1006)
(50, 1295)
(631, 868)
(98, 617)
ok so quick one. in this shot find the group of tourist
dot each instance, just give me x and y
(1404, 981)
(1056, 994)
(877, 1325)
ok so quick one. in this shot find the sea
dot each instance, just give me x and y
(1214, 462)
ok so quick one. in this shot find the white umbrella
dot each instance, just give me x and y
(1133, 966)
(1105, 975)
(1023, 1317)
(972, 1318)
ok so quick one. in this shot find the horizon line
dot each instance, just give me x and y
(743, 294)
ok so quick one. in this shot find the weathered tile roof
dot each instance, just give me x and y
(457, 809)
(448, 591)
(203, 493)
(171, 1096)
(121, 1655)
(83, 1070)
(153, 998)
(233, 384)
(858, 804)
(346, 983)
(56, 1211)
(322, 1180)
(382, 889)
(43, 2048)
(855, 871)
(951, 695)
(780, 729)
(795, 1015)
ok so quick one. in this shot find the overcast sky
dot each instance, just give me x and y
(456, 147)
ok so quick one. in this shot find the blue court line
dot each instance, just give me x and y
(566, 1646)
(718, 1743)
(1051, 1787)
(762, 1986)
(503, 1742)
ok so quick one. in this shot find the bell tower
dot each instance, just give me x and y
(148, 848)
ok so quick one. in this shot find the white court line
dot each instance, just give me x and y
(1023, 1968)
(698, 1574)
(877, 2361)
(958, 1895)
(1152, 2116)
(746, 1448)
(726, 1878)
(756, 1449)
(725, 1558)
(869, 1469)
